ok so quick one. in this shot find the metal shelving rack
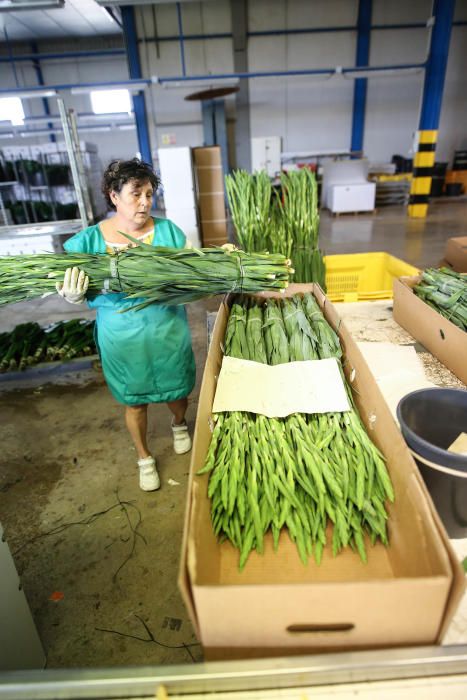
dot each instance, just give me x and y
(54, 229)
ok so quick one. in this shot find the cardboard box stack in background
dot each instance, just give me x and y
(405, 594)
(211, 197)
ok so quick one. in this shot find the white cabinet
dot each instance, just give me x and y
(352, 197)
(266, 155)
(176, 168)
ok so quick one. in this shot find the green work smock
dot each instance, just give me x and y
(146, 355)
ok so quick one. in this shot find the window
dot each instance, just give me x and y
(110, 101)
(11, 110)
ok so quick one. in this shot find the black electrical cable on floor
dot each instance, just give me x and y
(123, 505)
(151, 638)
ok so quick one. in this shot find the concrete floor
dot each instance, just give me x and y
(419, 242)
(69, 498)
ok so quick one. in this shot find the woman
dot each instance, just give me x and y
(146, 355)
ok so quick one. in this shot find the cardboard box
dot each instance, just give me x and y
(210, 190)
(442, 338)
(456, 253)
(214, 233)
(405, 595)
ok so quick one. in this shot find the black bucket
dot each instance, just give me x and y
(430, 421)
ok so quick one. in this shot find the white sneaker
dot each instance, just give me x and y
(148, 476)
(182, 439)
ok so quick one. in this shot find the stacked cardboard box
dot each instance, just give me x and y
(211, 197)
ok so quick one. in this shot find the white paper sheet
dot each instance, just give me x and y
(277, 391)
(397, 369)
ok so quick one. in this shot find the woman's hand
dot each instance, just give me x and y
(229, 247)
(75, 285)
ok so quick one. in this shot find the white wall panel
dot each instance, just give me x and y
(397, 12)
(308, 112)
(393, 102)
(453, 124)
(322, 14)
(297, 14)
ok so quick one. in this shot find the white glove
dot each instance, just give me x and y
(229, 247)
(75, 285)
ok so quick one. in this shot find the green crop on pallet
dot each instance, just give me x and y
(301, 473)
(28, 344)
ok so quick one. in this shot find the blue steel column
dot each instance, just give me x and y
(360, 86)
(40, 80)
(435, 73)
(180, 33)
(134, 68)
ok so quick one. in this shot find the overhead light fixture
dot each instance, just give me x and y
(15, 5)
(113, 3)
(383, 72)
(28, 94)
(201, 85)
(131, 85)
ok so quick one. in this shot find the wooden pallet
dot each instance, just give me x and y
(372, 212)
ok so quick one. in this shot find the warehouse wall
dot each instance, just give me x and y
(307, 112)
(71, 70)
(393, 103)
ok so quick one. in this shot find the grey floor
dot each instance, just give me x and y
(417, 241)
(98, 558)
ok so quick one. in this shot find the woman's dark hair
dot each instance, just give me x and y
(119, 172)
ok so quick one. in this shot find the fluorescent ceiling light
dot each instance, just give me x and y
(113, 3)
(383, 72)
(15, 5)
(202, 84)
(27, 94)
(118, 117)
(130, 86)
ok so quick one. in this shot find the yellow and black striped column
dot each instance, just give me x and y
(422, 174)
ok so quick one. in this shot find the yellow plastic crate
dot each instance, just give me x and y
(363, 276)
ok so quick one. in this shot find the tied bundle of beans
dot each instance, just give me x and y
(150, 274)
(285, 221)
(301, 473)
(446, 292)
(28, 344)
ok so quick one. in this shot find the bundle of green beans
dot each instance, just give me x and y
(250, 204)
(17, 347)
(445, 291)
(303, 472)
(151, 274)
(28, 343)
(300, 220)
(67, 339)
(285, 222)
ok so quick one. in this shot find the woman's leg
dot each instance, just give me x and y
(181, 436)
(136, 418)
(178, 410)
